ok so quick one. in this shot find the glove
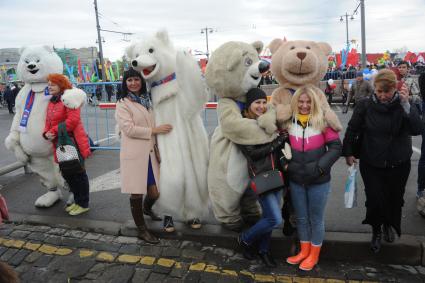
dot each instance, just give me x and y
(286, 155)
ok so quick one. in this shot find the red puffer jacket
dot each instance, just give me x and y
(67, 110)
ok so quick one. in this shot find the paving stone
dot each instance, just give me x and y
(43, 260)
(228, 279)
(170, 243)
(37, 236)
(109, 247)
(17, 234)
(32, 257)
(179, 270)
(87, 244)
(224, 252)
(192, 276)
(6, 256)
(98, 267)
(209, 277)
(107, 238)
(193, 254)
(53, 240)
(2, 250)
(150, 251)
(140, 275)
(70, 242)
(170, 252)
(57, 231)
(132, 249)
(75, 234)
(191, 245)
(126, 240)
(117, 274)
(19, 257)
(23, 268)
(92, 236)
(420, 269)
(156, 277)
(58, 277)
(24, 227)
(161, 269)
(34, 275)
(92, 276)
(5, 232)
(173, 280)
(42, 229)
(73, 265)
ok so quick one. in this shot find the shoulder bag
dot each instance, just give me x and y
(267, 181)
(69, 158)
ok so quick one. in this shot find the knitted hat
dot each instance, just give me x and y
(254, 94)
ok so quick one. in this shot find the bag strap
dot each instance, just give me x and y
(62, 134)
(252, 170)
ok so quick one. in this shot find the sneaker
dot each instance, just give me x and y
(78, 210)
(70, 207)
(195, 223)
(168, 224)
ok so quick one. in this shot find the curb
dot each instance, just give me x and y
(342, 246)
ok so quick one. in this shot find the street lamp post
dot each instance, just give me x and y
(362, 9)
(346, 24)
(207, 30)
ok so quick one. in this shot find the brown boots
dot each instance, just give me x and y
(147, 208)
(136, 205)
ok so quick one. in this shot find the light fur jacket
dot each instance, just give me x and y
(228, 170)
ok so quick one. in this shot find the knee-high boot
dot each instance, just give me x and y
(136, 205)
(147, 208)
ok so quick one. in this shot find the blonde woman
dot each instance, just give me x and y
(315, 148)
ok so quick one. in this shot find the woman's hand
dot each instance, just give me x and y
(162, 129)
(404, 93)
(350, 160)
(50, 136)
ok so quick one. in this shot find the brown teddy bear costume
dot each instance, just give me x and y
(295, 64)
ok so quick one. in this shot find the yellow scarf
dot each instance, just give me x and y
(303, 118)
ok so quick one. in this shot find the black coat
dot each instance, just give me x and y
(260, 156)
(385, 131)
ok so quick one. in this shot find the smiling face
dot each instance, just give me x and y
(304, 104)
(258, 107)
(134, 84)
(54, 89)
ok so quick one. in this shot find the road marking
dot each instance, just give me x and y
(106, 182)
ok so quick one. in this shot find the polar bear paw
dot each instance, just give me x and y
(48, 199)
(267, 121)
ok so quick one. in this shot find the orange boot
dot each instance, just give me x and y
(305, 251)
(312, 259)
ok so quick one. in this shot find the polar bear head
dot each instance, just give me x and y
(37, 62)
(299, 62)
(234, 68)
(155, 57)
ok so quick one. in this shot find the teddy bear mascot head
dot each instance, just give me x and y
(295, 64)
(25, 138)
(233, 69)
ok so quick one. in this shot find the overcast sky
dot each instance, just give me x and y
(390, 24)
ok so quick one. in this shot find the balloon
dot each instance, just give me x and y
(367, 74)
(330, 81)
(333, 86)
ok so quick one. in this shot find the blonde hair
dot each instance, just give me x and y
(316, 120)
(386, 79)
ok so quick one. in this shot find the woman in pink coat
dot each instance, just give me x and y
(139, 163)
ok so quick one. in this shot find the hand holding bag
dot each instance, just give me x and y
(69, 158)
(350, 195)
(267, 181)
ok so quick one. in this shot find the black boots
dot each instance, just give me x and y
(137, 212)
(147, 209)
(375, 244)
(388, 233)
(248, 251)
(267, 259)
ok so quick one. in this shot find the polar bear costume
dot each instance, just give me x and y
(233, 69)
(178, 95)
(26, 141)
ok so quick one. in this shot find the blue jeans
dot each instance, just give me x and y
(309, 204)
(271, 204)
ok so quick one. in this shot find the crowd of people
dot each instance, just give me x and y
(378, 137)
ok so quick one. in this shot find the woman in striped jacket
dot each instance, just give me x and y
(315, 148)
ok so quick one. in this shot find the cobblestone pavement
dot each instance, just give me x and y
(47, 254)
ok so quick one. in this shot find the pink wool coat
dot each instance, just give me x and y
(137, 144)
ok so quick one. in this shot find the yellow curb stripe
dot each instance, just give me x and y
(104, 256)
(2, 240)
(63, 251)
(211, 268)
(197, 266)
(147, 260)
(86, 253)
(47, 249)
(125, 258)
(178, 265)
(229, 272)
(300, 280)
(31, 246)
(264, 278)
(247, 273)
(165, 262)
(285, 279)
(13, 243)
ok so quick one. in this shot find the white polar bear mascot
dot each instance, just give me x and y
(25, 138)
(178, 95)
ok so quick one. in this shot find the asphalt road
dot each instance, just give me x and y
(107, 203)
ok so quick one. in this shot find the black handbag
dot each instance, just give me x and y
(67, 153)
(267, 181)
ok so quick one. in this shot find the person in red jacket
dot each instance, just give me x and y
(64, 106)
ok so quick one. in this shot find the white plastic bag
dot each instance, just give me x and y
(350, 195)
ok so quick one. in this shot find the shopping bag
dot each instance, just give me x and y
(350, 195)
(4, 213)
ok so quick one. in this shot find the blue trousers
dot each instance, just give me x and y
(271, 204)
(421, 167)
(309, 204)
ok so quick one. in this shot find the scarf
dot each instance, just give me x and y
(144, 99)
(303, 118)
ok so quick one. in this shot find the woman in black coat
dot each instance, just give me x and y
(379, 134)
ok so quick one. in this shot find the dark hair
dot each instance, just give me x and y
(403, 63)
(128, 74)
(421, 82)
